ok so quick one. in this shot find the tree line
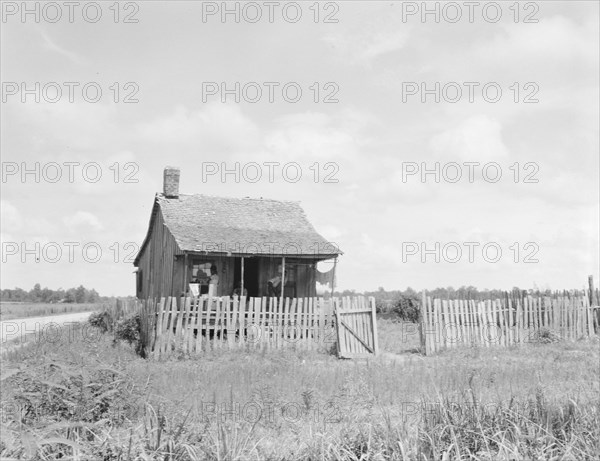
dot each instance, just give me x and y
(463, 292)
(46, 295)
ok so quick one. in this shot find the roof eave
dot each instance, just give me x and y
(263, 255)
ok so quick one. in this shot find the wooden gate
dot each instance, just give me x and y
(356, 327)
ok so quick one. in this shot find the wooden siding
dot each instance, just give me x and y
(179, 277)
(157, 261)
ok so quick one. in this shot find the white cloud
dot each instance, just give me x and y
(551, 42)
(11, 218)
(83, 220)
(477, 138)
(222, 125)
(375, 32)
(49, 44)
(330, 232)
(310, 136)
(66, 127)
(383, 43)
(364, 49)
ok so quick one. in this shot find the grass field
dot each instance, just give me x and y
(10, 311)
(98, 400)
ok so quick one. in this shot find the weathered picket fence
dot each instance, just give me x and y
(452, 323)
(191, 325)
(123, 307)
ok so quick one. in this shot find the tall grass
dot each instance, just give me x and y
(98, 400)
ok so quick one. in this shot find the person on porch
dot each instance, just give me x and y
(238, 288)
(213, 282)
(274, 285)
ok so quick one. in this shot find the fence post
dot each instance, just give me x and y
(422, 320)
(336, 315)
(374, 326)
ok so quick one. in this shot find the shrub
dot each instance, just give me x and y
(408, 308)
(129, 329)
(544, 336)
(101, 320)
(383, 305)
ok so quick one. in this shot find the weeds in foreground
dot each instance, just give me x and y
(83, 402)
(64, 416)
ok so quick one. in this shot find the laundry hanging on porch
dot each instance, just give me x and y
(325, 277)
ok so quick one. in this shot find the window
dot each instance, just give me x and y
(201, 272)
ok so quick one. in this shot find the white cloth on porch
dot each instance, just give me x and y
(325, 278)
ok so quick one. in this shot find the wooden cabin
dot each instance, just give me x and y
(247, 242)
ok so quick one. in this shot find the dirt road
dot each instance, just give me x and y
(50, 327)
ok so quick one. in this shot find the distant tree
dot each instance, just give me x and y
(410, 292)
(56, 296)
(80, 294)
(21, 295)
(464, 292)
(36, 293)
(92, 296)
(70, 296)
(47, 295)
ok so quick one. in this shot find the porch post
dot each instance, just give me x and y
(282, 279)
(242, 287)
(185, 268)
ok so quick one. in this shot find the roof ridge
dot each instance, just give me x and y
(259, 199)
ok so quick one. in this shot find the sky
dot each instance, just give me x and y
(437, 144)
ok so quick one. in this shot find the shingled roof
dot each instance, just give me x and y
(201, 223)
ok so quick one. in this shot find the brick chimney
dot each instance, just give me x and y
(171, 182)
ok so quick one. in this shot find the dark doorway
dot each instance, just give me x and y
(250, 275)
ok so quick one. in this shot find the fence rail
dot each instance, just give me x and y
(451, 323)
